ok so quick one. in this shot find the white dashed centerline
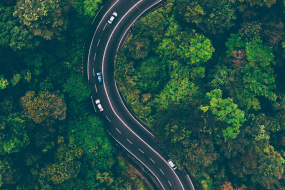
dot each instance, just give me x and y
(94, 56)
(98, 42)
(170, 184)
(108, 118)
(129, 141)
(105, 26)
(141, 150)
(118, 130)
(93, 104)
(93, 72)
(95, 87)
(152, 160)
(161, 171)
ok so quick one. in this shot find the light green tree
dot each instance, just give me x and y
(13, 134)
(225, 110)
(198, 51)
(3, 82)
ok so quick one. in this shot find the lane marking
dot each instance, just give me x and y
(96, 14)
(126, 38)
(152, 160)
(93, 104)
(105, 26)
(170, 184)
(129, 141)
(93, 72)
(108, 118)
(94, 56)
(98, 42)
(141, 150)
(107, 12)
(191, 182)
(95, 87)
(118, 130)
(138, 160)
(161, 171)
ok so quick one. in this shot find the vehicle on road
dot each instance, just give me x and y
(171, 164)
(112, 18)
(99, 105)
(99, 75)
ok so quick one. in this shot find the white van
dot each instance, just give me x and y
(171, 164)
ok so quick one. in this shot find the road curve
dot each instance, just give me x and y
(124, 127)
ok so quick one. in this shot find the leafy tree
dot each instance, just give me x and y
(43, 18)
(8, 174)
(179, 89)
(77, 87)
(3, 82)
(13, 134)
(90, 134)
(243, 4)
(91, 7)
(137, 47)
(212, 16)
(184, 133)
(255, 77)
(7, 106)
(199, 49)
(16, 78)
(153, 24)
(47, 106)
(67, 165)
(150, 74)
(250, 30)
(225, 110)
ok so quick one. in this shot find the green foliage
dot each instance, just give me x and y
(137, 47)
(16, 78)
(8, 174)
(13, 134)
(47, 106)
(255, 77)
(67, 165)
(179, 89)
(150, 75)
(243, 4)
(91, 7)
(45, 18)
(76, 86)
(212, 16)
(90, 134)
(250, 30)
(225, 110)
(3, 82)
(199, 50)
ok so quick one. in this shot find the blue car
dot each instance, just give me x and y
(99, 75)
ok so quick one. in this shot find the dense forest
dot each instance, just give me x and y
(50, 137)
(208, 76)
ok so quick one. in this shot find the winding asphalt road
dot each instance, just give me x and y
(124, 127)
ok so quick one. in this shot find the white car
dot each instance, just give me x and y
(112, 18)
(99, 105)
(171, 164)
